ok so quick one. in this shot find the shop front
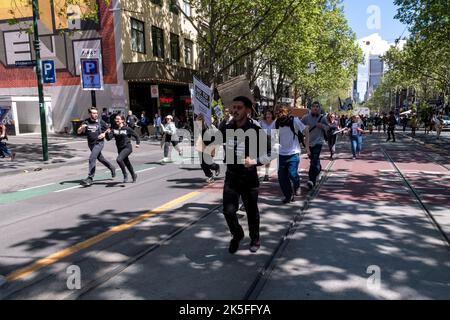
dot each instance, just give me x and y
(172, 97)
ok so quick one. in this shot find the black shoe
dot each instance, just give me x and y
(234, 243)
(310, 185)
(134, 177)
(287, 200)
(266, 178)
(217, 172)
(113, 173)
(86, 182)
(125, 179)
(255, 245)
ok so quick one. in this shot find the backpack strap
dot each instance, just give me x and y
(291, 125)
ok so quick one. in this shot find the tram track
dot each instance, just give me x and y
(87, 288)
(416, 195)
(264, 273)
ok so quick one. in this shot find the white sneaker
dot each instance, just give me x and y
(165, 160)
(210, 180)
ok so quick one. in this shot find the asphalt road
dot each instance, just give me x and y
(165, 237)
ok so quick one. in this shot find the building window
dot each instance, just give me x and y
(187, 8)
(173, 6)
(174, 47)
(158, 42)
(188, 55)
(137, 36)
(158, 2)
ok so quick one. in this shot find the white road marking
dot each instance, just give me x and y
(75, 187)
(146, 169)
(44, 185)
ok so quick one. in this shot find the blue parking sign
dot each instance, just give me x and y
(91, 77)
(48, 71)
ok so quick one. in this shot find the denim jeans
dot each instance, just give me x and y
(288, 174)
(315, 167)
(4, 149)
(356, 142)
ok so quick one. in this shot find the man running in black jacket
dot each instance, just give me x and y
(95, 131)
(241, 178)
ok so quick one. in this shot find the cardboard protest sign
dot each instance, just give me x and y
(201, 99)
(238, 86)
(299, 112)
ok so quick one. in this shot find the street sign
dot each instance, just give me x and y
(25, 63)
(91, 69)
(311, 68)
(48, 71)
(154, 91)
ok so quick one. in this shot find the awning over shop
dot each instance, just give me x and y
(158, 72)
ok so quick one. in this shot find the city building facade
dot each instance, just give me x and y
(61, 40)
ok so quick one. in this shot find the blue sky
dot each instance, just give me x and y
(357, 16)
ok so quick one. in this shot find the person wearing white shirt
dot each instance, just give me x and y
(289, 153)
(267, 124)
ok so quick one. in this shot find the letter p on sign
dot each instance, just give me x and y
(49, 72)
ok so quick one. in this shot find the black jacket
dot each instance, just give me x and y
(240, 148)
(123, 137)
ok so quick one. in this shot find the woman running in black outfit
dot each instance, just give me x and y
(123, 135)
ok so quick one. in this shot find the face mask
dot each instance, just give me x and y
(283, 121)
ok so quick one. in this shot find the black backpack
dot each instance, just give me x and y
(299, 134)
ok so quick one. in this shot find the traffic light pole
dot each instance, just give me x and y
(39, 79)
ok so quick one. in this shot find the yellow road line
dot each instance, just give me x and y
(26, 271)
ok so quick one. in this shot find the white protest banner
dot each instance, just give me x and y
(202, 97)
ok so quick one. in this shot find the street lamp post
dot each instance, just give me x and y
(39, 79)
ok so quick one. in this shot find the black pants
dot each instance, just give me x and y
(247, 189)
(144, 131)
(96, 154)
(206, 166)
(391, 131)
(123, 161)
(315, 167)
(332, 143)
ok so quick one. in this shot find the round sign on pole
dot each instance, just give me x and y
(154, 91)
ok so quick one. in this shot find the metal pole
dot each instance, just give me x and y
(39, 79)
(93, 99)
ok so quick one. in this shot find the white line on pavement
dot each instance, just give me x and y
(146, 169)
(68, 189)
(44, 185)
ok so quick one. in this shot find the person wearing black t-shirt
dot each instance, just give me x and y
(123, 135)
(241, 178)
(95, 129)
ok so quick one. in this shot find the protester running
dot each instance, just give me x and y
(317, 124)
(267, 124)
(95, 131)
(170, 137)
(241, 178)
(123, 135)
(290, 129)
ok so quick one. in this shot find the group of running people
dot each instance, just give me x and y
(242, 181)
